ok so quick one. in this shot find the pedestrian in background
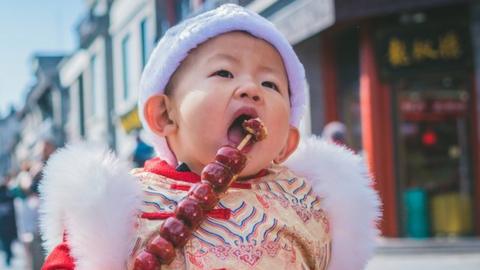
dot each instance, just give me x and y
(8, 227)
(48, 146)
(335, 132)
(27, 201)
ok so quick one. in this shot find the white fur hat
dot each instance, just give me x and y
(175, 45)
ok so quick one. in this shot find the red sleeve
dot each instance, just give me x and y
(59, 259)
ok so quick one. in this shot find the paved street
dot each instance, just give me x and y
(432, 254)
(402, 254)
(470, 261)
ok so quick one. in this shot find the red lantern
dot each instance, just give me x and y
(429, 138)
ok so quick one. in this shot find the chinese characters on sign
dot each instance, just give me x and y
(446, 47)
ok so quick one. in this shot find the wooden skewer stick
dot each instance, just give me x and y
(244, 141)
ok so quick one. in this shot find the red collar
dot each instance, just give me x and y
(161, 167)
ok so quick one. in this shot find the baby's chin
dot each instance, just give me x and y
(253, 169)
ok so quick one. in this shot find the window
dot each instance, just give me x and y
(126, 66)
(81, 106)
(93, 85)
(145, 42)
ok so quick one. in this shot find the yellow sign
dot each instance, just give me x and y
(402, 53)
(130, 121)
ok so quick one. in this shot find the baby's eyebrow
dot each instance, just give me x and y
(269, 69)
(231, 58)
(222, 56)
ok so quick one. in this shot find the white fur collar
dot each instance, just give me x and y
(90, 194)
(352, 206)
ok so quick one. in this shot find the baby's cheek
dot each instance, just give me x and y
(280, 123)
(199, 113)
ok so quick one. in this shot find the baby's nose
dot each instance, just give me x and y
(251, 91)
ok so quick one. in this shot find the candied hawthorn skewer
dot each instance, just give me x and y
(202, 197)
(230, 161)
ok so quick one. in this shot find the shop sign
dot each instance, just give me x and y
(130, 120)
(439, 109)
(405, 51)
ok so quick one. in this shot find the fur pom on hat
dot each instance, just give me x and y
(179, 40)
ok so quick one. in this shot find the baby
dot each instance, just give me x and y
(205, 77)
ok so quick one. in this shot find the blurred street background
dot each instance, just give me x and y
(398, 82)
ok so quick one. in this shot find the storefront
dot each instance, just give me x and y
(404, 85)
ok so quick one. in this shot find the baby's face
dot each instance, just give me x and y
(225, 80)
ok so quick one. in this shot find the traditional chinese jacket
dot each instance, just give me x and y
(317, 211)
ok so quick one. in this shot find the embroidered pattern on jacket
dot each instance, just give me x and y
(256, 235)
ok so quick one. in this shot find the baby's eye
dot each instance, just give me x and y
(270, 85)
(223, 73)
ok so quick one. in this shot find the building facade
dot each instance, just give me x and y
(88, 76)
(9, 136)
(43, 117)
(402, 76)
(133, 30)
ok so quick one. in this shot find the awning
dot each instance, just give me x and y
(356, 9)
(302, 19)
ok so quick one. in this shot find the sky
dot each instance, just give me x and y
(28, 27)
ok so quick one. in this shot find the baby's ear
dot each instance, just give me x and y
(158, 114)
(290, 145)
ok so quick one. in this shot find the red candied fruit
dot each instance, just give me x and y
(190, 211)
(146, 261)
(231, 157)
(204, 193)
(175, 231)
(161, 248)
(255, 127)
(218, 175)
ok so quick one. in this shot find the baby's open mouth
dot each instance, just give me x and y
(236, 132)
